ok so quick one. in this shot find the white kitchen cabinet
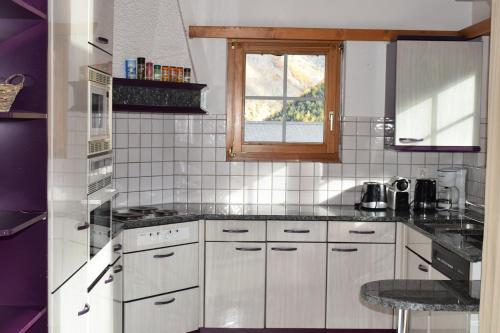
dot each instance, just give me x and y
(69, 306)
(361, 232)
(418, 269)
(118, 296)
(364, 76)
(101, 24)
(296, 231)
(154, 272)
(101, 300)
(296, 285)
(67, 128)
(437, 94)
(172, 313)
(447, 322)
(349, 267)
(235, 285)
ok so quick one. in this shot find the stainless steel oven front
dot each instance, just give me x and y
(99, 112)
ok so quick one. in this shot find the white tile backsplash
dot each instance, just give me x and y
(181, 159)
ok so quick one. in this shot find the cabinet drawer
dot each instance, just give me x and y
(160, 236)
(172, 313)
(296, 231)
(361, 232)
(235, 230)
(160, 271)
(420, 244)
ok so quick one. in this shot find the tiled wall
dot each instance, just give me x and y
(476, 170)
(181, 159)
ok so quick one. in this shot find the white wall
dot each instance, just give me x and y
(153, 28)
(480, 10)
(209, 55)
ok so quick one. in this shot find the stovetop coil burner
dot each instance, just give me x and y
(126, 216)
(143, 209)
(165, 212)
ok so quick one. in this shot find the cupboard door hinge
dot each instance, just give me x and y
(341, 47)
(233, 45)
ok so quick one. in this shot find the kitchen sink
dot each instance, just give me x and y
(464, 228)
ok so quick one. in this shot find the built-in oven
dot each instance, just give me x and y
(99, 113)
(100, 172)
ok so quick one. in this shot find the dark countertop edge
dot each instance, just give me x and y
(418, 306)
(464, 301)
(347, 218)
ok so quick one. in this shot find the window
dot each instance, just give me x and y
(283, 100)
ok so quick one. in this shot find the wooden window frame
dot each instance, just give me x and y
(237, 149)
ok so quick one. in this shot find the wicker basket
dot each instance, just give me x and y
(9, 91)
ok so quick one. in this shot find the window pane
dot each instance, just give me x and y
(305, 121)
(305, 75)
(264, 75)
(263, 120)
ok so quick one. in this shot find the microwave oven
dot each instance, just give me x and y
(99, 112)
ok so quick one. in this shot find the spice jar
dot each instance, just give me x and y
(141, 68)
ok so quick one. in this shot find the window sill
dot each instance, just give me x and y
(289, 157)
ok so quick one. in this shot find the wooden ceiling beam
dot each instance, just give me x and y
(476, 30)
(327, 34)
(324, 34)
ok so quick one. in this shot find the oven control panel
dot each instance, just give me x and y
(152, 237)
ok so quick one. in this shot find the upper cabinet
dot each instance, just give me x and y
(433, 95)
(101, 24)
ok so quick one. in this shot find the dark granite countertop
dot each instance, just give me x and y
(423, 295)
(192, 212)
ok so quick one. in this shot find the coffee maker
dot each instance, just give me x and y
(425, 195)
(451, 188)
(398, 194)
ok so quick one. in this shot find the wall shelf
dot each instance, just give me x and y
(19, 318)
(20, 9)
(12, 222)
(22, 115)
(158, 96)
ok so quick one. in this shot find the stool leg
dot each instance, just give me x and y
(403, 318)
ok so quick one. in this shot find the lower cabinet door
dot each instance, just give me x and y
(349, 267)
(447, 322)
(70, 310)
(118, 296)
(101, 299)
(418, 269)
(235, 285)
(173, 313)
(296, 285)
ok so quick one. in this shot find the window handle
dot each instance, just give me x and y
(332, 120)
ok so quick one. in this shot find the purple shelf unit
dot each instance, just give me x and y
(23, 184)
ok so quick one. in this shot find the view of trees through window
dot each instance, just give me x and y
(284, 98)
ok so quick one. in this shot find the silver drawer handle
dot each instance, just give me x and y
(297, 231)
(410, 140)
(117, 269)
(248, 249)
(164, 255)
(235, 231)
(109, 280)
(165, 302)
(361, 232)
(83, 226)
(335, 249)
(85, 310)
(423, 268)
(284, 249)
